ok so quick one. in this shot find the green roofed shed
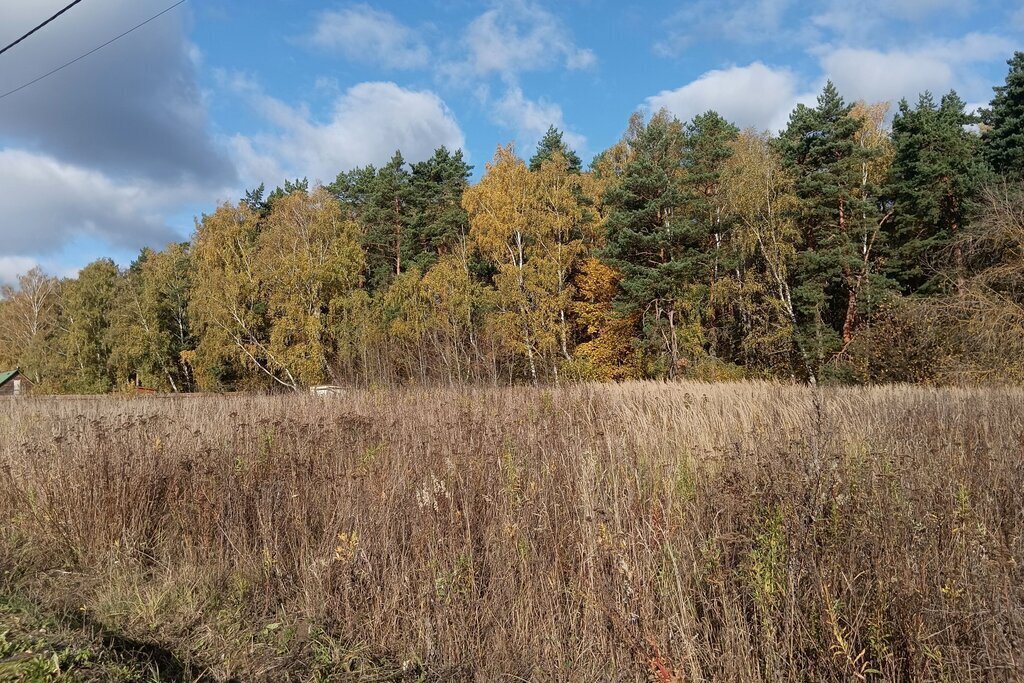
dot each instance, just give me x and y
(13, 383)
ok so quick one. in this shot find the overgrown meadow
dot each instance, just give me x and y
(632, 532)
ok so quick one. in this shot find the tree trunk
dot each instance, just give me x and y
(849, 323)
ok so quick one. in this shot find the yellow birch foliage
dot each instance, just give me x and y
(759, 197)
(226, 306)
(309, 254)
(524, 223)
(456, 302)
(874, 135)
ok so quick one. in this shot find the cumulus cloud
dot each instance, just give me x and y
(365, 34)
(884, 76)
(755, 95)
(531, 119)
(938, 66)
(518, 36)
(762, 96)
(13, 266)
(920, 8)
(97, 156)
(132, 108)
(367, 123)
(48, 203)
(512, 38)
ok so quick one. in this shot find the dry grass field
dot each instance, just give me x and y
(635, 532)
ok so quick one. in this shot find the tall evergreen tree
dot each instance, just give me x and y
(255, 198)
(647, 233)
(1004, 121)
(708, 145)
(385, 217)
(437, 220)
(936, 173)
(820, 148)
(290, 188)
(352, 189)
(553, 143)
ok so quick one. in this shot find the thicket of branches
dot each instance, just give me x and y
(843, 249)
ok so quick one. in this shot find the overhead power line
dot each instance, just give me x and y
(92, 51)
(40, 26)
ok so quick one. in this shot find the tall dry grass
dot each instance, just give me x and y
(639, 532)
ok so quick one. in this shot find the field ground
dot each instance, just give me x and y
(37, 647)
(634, 532)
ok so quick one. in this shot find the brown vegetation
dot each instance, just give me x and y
(637, 532)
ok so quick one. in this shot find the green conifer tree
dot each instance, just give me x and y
(549, 145)
(437, 220)
(647, 233)
(936, 173)
(1004, 121)
(820, 148)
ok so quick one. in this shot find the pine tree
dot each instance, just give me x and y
(935, 178)
(352, 190)
(1004, 121)
(821, 149)
(707, 258)
(647, 233)
(290, 187)
(385, 217)
(553, 143)
(437, 221)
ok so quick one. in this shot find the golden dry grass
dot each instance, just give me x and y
(635, 532)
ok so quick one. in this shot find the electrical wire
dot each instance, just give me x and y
(90, 52)
(40, 26)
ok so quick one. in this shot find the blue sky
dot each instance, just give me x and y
(123, 149)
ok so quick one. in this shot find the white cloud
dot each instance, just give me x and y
(519, 36)
(365, 34)
(762, 96)
(13, 266)
(100, 154)
(531, 119)
(938, 66)
(367, 123)
(873, 76)
(49, 203)
(512, 38)
(756, 96)
(800, 23)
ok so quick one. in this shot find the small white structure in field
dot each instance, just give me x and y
(327, 390)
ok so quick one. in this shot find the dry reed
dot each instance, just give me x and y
(638, 532)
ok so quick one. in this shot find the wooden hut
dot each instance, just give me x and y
(13, 383)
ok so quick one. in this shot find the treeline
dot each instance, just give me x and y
(843, 249)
